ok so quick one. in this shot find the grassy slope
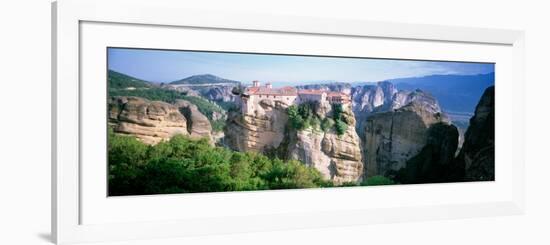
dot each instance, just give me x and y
(118, 80)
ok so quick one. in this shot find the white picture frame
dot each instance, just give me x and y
(67, 192)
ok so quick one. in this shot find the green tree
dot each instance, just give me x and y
(327, 124)
(337, 111)
(340, 127)
(182, 165)
(126, 158)
(296, 120)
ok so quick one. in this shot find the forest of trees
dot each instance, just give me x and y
(182, 165)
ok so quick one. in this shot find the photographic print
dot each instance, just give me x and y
(183, 121)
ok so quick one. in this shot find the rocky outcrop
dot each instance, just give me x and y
(425, 100)
(391, 138)
(220, 93)
(265, 129)
(188, 90)
(435, 162)
(337, 157)
(154, 121)
(477, 155)
(370, 98)
(213, 92)
(476, 159)
(150, 121)
(384, 97)
(198, 125)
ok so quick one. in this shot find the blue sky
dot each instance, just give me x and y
(167, 66)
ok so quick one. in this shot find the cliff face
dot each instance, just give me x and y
(257, 132)
(220, 93)
(150, 121)
(198, 125)
(369, 98)
(384, 97)
(337, 157)
(154, 121)
(213, 92)
(392, 138)
(477, 156)
(476, 160)
(426, 101)
(435, 162)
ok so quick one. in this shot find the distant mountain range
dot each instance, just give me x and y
(455, 93)
(203, 79)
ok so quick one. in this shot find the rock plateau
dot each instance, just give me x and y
(154, 121)
(150, 121)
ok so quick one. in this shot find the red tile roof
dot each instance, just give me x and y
(291, 91)
(337, 94)
(311, 91)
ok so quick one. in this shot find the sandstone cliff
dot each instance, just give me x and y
(384, 97)
(392, 138)
(257, 132)
(150, 121)
(337, 157)
(435, 162)
(198, 125)
(370, 98)
(155, 121)
(477, 156)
